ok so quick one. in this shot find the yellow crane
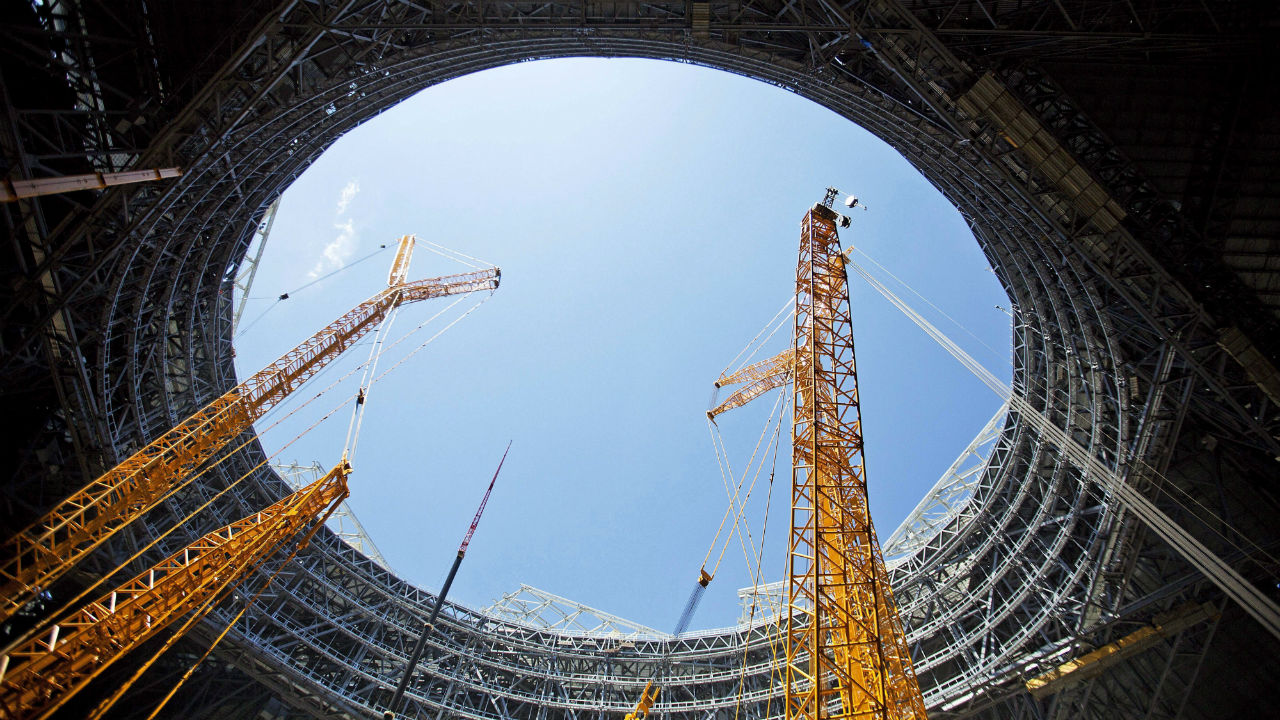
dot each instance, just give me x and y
(44, 551)
(845, 641)
(846, 652)
(647, 699)
(40, 675)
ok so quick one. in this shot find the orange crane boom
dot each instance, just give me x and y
(759, 378)
(647, 699)
(42, 674)
(845, 640)
(47, 549)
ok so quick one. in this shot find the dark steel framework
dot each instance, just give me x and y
(1115, 161)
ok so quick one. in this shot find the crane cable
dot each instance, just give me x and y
(436, 248)
(737, 508)
(754, 345)
(431, 339)
(245, 608)
(455, 255)
(1258, 605)
(287, 295)
(1024, 409)
(926, 300)
(755, 584)
(362, 394)
(49, 618)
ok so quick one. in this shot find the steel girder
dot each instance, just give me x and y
(1039, 562)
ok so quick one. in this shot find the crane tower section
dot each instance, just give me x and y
(846, 652)
(40, 674)
(44, 551)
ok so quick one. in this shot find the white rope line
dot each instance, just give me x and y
(759, 469)
(738, 501)
(927, 301)
(366, 385)
(1259, 606)
(1005, 393)
(440, 332)
(789, 304)
(455, 255)
(275, 409)
(726, 471)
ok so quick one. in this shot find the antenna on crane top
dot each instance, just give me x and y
(829, 199)
(390, 712)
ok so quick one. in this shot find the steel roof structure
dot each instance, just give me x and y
(1115, 160)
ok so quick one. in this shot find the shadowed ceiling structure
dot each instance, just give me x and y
(1116, 161)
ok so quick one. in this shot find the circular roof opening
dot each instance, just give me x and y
(645, 217)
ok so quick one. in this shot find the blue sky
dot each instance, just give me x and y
(645, 216)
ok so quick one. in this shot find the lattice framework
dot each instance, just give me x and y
(845, 645)
(128, 302)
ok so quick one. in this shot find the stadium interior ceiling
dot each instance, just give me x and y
(1117, 162)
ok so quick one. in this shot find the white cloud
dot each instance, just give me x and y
(338, 251)
(348, 192)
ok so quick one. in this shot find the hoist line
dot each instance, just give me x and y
(227, 454)
(362, 395)
(947, 344)
(1005, 393)
(736, 508)
(755, 583)
(1183, 499)
(196, 616)
(1258, 605)
(388, 348)
(742, 509)
(442, 331)
(722, 459)
(720, 462)
(217, 640)
(241, 331)
(741, 516)
(363, 365)
(1165, 488)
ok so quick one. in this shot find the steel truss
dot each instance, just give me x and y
(126, 307)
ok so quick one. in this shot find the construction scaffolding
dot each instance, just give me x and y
(1143, 333)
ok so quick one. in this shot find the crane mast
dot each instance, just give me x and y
(44, 551)
(43, 673)
(846, 648)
